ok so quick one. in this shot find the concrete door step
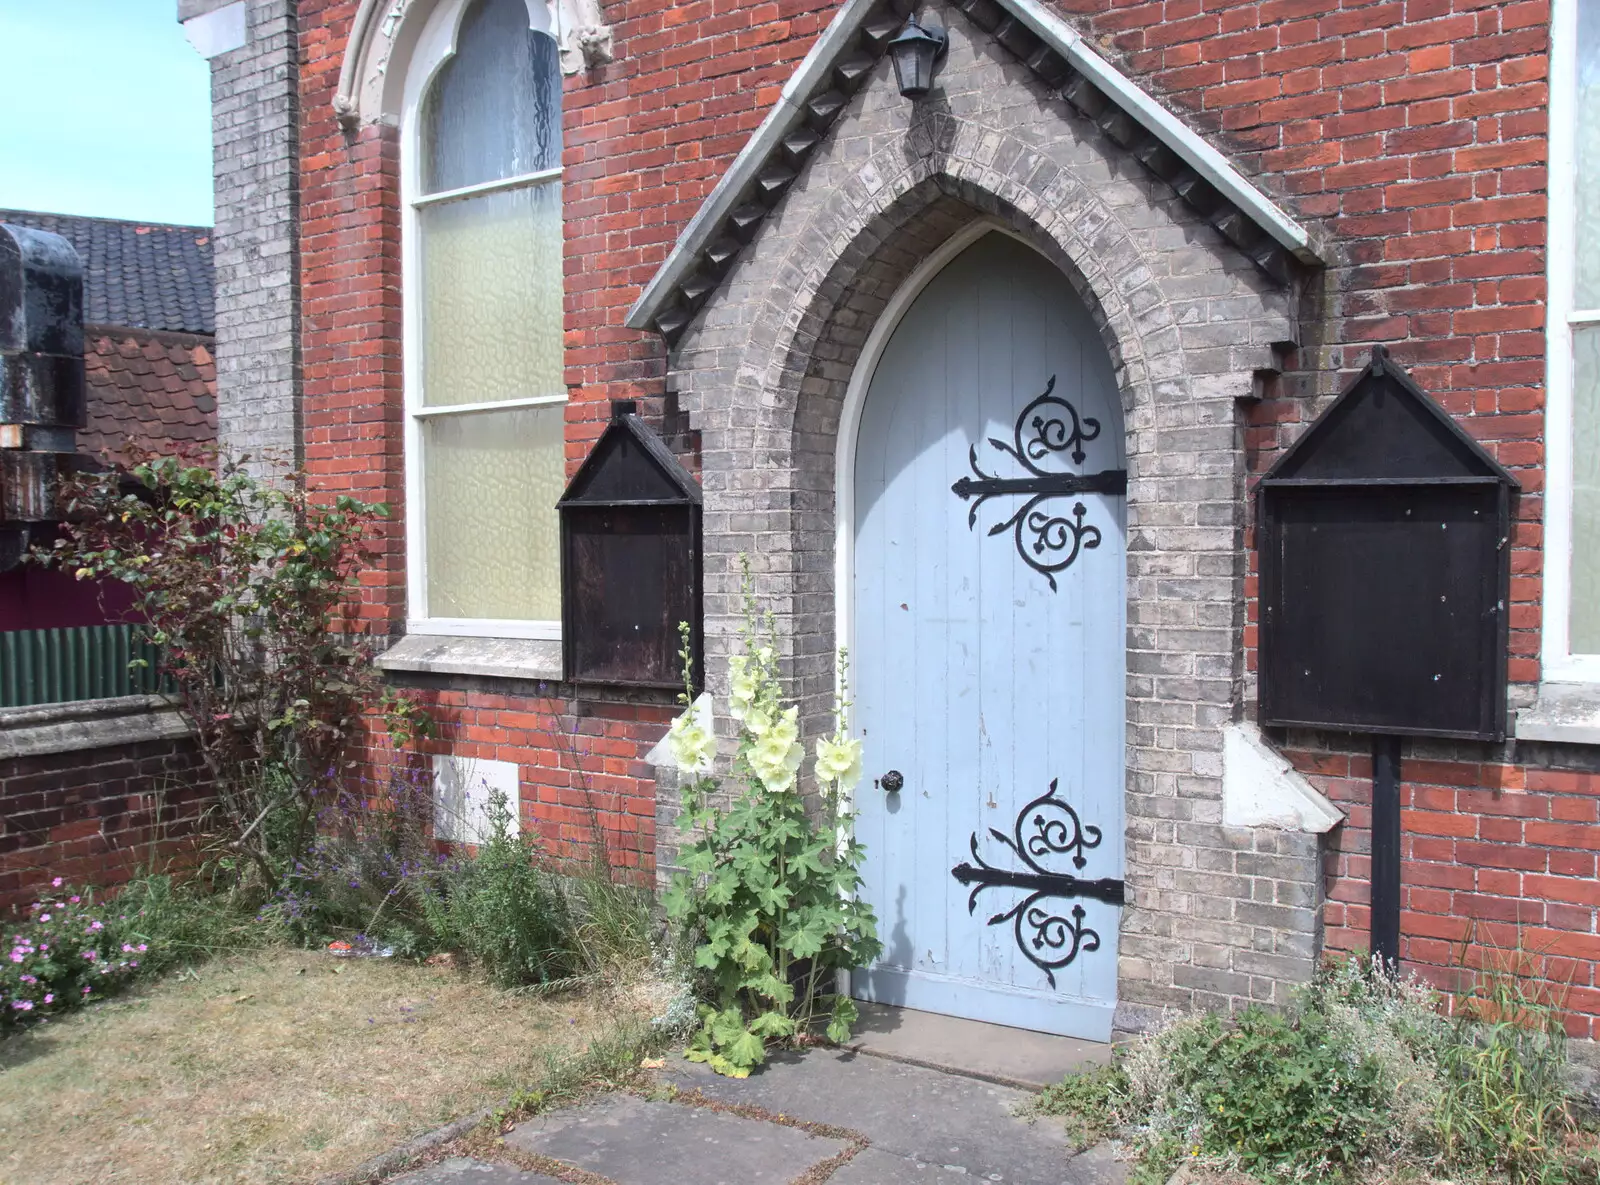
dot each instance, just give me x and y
(972, 1048)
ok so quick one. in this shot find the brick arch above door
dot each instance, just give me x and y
(1187, 321)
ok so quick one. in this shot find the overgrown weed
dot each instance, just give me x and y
(1362, 1078)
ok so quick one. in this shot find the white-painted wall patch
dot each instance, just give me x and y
(462, 790)
(1261, 789)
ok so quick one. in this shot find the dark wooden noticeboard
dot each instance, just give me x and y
(630, 560)
(1384, 537)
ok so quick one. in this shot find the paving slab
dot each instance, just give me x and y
(635, 1141)
(911, 1112)
(460, 1170)
(874, 1167)
(997, 1052)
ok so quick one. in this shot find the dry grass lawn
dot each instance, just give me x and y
(272, 1067)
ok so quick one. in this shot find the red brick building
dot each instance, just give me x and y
(488, 228)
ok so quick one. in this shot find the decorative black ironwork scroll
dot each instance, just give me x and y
(1046, 938)
(1047, 542)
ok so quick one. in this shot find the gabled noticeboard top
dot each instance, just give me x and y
(1385, 430)
(630, 466)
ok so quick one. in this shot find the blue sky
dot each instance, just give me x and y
(105, 109)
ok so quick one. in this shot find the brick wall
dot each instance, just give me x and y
(1409, 135)
(255, 129)
(95, 816)
(585, 790)
(1497, 857)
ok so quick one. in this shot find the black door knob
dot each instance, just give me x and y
(892, 781)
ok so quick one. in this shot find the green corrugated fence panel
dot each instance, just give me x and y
(81, 662)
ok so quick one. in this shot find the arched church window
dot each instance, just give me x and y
(485, 394)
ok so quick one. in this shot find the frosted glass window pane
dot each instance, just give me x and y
(494, 110)
(491, 480)
(1587, 115)
(491, 297)
(1585, 620)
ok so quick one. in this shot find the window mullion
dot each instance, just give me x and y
(460, 409)
(542, 177)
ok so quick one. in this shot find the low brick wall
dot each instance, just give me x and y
(93, 792)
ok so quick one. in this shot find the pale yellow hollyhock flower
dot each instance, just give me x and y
(694, 749)
(776, 756)
(839, 760)
(757, 723)
(744, 683)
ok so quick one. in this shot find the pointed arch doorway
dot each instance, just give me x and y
(981, 578)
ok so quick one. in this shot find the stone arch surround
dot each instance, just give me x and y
(1217, 916)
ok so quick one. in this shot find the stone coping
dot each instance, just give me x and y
(88, 724)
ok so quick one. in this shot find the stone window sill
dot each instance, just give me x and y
(489, 658)
(1566, 713)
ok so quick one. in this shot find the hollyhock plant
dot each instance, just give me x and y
(60, 955)
(767, 890)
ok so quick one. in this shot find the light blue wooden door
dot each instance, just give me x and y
(989, 650)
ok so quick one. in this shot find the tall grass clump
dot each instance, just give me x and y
(1362, 1078)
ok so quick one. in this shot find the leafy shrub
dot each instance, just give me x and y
(501, 909)
(63, 954)
(246, 585)
(1359, 1078)
(767, 893)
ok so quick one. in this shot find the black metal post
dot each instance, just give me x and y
(1385, 924)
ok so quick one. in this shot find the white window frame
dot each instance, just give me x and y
(435, 46)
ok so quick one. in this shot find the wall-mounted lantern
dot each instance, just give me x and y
(916, 53)
(630, 560)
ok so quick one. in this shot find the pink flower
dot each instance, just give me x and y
(143, 947)
(16, 955)
(87, 989)
(90, 955)
(44, 917)
(74, 900)
(96, 926)
(49, 998)
(127, 949)
(25, 1005)
(56, 884)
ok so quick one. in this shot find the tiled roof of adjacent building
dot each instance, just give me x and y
(142, 275)
(152, 390)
